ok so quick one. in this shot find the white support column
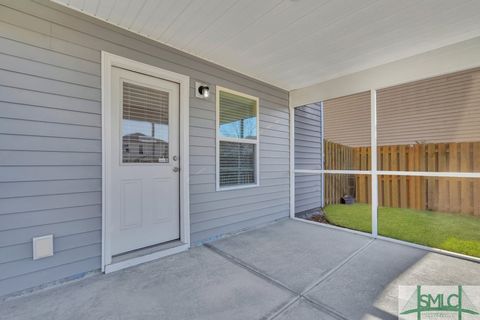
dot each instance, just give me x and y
(322, 167)
(292, 162)
(374, 176)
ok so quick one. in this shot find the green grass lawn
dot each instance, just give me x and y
(448, 231)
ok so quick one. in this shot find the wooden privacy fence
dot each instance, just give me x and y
(424, 193)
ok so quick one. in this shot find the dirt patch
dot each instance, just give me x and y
(319, 218)
(317, 215)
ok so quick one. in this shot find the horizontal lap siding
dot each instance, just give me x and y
(50, 141)
(347, 120)
(308, 192)
(443, 109)
(308, 155)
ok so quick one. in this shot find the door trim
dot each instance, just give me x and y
(108, 62)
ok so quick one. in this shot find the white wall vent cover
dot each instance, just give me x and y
(42, 247)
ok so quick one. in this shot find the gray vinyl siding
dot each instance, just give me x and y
(308, 155)
(443, 109)
(347, 120)
(50, 141)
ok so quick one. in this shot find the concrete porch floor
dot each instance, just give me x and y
(288, 270)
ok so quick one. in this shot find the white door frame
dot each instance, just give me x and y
(108, 62)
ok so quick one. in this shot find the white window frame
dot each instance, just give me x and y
(219, 138)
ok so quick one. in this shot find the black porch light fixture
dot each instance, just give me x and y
(202, 90)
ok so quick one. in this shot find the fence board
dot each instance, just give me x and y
(412, 185)
(403, 155)
(432, 201)
(466, 188)
(476, 183)
(454, 187)
(394, 166)
(443, 198)
(421, 161)
(386, 181)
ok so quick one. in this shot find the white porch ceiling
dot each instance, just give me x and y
(294, 43)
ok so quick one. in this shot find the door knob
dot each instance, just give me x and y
(176, 169)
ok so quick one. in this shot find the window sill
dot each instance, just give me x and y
(246, 186)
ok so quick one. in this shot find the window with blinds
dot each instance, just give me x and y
(238, 116)
(144, 124)
(237, 139)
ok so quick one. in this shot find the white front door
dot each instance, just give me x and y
(144, 164)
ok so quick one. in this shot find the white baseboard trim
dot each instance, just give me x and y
(434, 250)
(330, 226)
(146, 258)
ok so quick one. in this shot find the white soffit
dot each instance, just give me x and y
(294, 43)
